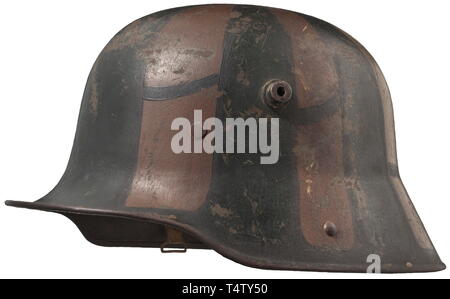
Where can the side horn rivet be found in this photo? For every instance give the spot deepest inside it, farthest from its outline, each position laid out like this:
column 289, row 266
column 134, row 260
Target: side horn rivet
column 277, row 93
column 330, row 229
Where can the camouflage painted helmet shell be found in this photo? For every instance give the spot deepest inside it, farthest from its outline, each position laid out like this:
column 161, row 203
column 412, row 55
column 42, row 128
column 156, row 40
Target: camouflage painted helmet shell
column 334, row 196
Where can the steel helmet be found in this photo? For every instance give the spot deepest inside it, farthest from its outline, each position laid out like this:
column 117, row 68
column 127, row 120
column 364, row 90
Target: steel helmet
column 328, row 198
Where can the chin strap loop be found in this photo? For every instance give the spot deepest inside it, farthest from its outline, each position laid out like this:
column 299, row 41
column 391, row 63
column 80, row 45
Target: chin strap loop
column 174, row 242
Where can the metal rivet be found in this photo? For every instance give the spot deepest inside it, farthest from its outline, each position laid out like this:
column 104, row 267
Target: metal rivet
column 330, row 229
column 277, row 93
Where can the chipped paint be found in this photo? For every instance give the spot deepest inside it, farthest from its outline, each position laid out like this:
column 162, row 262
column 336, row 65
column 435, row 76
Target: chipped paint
column 217, row 210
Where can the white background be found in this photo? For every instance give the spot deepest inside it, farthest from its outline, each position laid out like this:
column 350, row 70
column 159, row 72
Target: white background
column 47, row 49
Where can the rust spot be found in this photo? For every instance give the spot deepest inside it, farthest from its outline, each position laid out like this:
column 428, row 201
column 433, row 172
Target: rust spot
column 240, row 26
column 242, row 78
column 232, row 230
column 93, row 100
column 235, row 15
column 254, row 111
column 198, row 52
column 216, row 209
column 178, row 71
